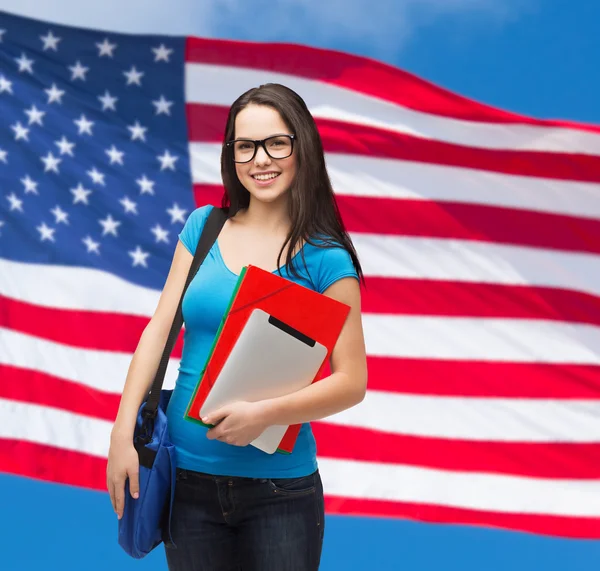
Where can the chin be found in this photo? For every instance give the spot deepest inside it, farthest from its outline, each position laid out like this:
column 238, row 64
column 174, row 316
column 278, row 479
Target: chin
column 268, row 195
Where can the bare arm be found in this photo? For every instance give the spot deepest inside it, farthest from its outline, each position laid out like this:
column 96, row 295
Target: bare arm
column 122, row 458
column 150, row 347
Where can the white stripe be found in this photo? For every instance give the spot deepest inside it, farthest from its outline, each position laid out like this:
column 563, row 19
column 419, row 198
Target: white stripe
column 478, row 419
column 102, row 370
column 68, row 287
column 488, row 492
column 477, row 262
column 222, row 85
column 54, row 427
column 481, row 339
column 347, row 478
column 355, row 175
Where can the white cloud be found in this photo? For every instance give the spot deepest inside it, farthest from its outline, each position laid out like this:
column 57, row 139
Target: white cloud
column 380, row 27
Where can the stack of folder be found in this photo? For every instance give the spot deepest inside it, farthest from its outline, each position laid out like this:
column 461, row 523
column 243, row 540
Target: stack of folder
column 275, row 338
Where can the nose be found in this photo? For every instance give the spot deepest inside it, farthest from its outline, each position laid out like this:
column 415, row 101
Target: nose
column 261, row 157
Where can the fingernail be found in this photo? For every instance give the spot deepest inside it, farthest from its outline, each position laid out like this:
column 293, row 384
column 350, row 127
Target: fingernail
column 205, row 420
column 136, row 495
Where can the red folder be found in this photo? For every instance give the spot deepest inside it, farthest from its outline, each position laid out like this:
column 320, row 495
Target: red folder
column 313, row 314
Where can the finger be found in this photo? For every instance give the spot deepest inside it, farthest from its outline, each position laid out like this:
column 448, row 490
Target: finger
column 134, row 484
column 119, row 498
column 111, row 495
column 216, row 416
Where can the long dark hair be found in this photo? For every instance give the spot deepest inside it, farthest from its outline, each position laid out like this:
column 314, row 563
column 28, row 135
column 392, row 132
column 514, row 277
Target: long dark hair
column 313, row 209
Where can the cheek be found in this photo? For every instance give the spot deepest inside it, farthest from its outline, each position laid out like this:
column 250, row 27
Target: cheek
column 241, row 171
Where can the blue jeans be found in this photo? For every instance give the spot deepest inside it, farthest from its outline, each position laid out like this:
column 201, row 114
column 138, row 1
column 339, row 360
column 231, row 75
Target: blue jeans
column 222, row 523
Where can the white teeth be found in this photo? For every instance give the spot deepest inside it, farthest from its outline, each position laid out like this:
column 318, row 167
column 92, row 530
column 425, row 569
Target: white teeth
column 265, row 176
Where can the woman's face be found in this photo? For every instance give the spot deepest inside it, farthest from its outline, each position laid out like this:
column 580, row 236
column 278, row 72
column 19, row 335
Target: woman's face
column 266, row 179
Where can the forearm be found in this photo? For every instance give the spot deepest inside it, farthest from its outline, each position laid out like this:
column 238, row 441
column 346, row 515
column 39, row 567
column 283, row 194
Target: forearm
column 140, row 375
column 321, row 399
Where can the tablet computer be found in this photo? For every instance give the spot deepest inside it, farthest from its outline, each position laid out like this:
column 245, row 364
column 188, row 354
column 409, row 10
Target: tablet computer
column 269, row 359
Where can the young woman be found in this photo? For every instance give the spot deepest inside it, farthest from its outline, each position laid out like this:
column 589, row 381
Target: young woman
column 235, row 506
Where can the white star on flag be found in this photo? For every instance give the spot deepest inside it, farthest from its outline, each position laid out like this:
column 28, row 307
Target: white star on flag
column 162, row 106
column 115, row 155
column 108, row 101
column 15, row 203
column 46, row 233
column 80, row 194
column 60, row 215
column 65, row 147
column 139, row 257
column 160, row 234
column 162, row 53
column 177, row 214
column 25, row 64
column 54, row 94
column 21, row 132
column 91, row 245
column 146, row 185
column 35, row 115
column 96, row 176
column 3, row 156
column 51, row 162
column 133, row 76
column 105, row 48
column 137, row 131
column 84, row 125
column 30, row 185
column 5, row 85
column 50, row 41
column 109, row 225
column 167, row 161
column 78, row 71
column 128, row 205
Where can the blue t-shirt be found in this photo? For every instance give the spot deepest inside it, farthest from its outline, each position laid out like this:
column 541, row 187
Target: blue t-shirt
column 204, row 305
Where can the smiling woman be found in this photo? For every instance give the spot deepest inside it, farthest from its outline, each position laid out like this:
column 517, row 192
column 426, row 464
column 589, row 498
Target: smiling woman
column 235, row 506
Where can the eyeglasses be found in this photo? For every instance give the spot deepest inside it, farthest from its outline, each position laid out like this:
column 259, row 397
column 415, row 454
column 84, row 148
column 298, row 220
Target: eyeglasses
column 276, row 147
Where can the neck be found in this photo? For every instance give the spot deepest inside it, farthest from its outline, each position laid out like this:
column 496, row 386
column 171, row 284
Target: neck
column 271, row 217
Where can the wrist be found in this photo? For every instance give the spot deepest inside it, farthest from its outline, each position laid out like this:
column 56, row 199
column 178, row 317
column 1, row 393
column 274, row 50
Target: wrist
column 120, row 433
column 269, row 412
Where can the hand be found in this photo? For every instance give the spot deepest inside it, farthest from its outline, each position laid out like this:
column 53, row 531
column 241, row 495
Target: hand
column 238, row 423
column 123, row 463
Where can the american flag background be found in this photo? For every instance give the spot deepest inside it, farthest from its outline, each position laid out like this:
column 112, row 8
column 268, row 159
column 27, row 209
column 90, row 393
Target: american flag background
column 478, row 230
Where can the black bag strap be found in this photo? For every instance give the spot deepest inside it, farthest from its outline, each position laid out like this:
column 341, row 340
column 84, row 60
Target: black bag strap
column 210, row 232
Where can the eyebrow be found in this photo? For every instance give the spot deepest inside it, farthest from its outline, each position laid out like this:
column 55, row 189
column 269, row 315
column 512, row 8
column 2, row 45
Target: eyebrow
column 267, row 137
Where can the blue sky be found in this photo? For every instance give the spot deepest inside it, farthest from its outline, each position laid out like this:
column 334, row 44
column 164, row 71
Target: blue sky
column 537, row 57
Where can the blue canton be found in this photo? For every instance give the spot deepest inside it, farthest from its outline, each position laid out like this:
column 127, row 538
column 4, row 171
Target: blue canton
column 94, row 156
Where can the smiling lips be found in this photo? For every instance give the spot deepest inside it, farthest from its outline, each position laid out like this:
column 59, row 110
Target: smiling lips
column 265, row 178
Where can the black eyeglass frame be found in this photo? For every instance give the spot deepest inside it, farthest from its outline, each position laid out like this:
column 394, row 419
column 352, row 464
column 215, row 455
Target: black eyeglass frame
column 261, row 143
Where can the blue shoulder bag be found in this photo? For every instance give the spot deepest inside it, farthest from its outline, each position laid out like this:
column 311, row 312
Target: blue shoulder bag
column 146, row 521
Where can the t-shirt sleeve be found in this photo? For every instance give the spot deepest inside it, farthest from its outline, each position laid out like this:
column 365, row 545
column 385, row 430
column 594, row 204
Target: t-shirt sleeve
column 190, row 233
column 336, row 264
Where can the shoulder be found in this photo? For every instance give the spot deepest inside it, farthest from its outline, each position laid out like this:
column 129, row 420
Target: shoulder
column 190, row 234
column 328, row 262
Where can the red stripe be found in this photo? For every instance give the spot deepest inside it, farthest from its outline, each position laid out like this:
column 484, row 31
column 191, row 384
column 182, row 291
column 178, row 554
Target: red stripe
column 77, row 469
column 207, row 124
column 456, row 221
column 85, row 329
column 438, row 377
column 52, row 464
column 534, row 460
column 464, row 299
column 39, row 388
column 561, row 526
column 359, row 74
